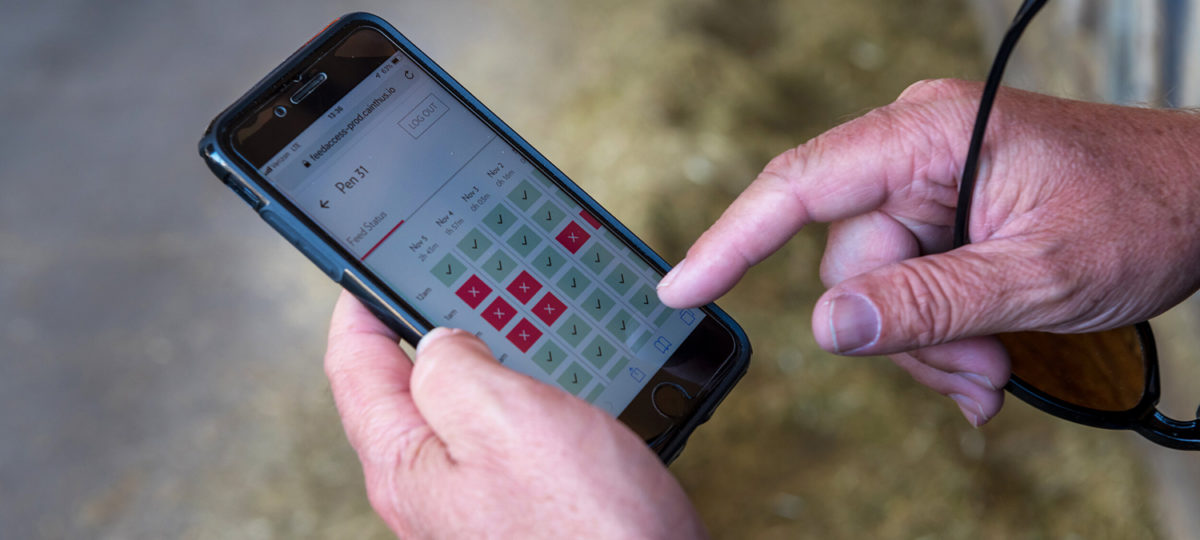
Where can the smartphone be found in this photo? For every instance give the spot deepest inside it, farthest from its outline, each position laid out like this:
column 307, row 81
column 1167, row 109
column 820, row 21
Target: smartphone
column 407, row 191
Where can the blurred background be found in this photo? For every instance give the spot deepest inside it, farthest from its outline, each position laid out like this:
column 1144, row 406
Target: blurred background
column 161, row 368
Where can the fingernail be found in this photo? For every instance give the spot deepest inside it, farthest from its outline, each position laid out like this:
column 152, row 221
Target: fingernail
column 853, row 322
column 670, row 277
column 981, row 380
column 433, row 335
column 970, row 409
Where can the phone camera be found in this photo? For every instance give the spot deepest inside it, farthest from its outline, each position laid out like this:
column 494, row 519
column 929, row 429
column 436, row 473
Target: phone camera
column 281, row 111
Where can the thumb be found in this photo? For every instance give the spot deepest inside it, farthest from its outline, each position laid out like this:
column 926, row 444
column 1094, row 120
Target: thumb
column 472, row 402
column 980, row 289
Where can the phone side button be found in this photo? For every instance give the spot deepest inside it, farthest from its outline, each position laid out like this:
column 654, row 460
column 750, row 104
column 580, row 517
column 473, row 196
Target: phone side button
column 243, row 191
column 219, row 166
column 319, row 259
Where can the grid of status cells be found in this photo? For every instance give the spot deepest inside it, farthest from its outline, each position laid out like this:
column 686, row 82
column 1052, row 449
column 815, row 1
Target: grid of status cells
column 584, row 332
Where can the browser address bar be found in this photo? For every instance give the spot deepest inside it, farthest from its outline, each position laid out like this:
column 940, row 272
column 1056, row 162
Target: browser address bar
column 351, row 114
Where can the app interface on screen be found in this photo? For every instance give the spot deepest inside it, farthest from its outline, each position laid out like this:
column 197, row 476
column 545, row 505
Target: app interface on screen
column 447, row 213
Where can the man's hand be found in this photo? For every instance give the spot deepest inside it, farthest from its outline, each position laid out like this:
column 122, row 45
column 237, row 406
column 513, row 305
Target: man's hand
column 461, row 447
column 1085, row 218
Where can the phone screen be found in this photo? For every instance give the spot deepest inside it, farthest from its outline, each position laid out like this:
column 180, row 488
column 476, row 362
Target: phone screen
column 437, row 204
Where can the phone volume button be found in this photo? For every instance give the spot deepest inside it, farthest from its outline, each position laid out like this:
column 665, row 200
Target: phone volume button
column 245, row 192
column 219, row 166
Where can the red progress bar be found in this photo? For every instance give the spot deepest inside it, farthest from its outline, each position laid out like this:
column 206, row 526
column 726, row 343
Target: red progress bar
column 385, row 237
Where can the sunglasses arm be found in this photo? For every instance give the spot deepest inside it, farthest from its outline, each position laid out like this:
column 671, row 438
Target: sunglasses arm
column 1170, row 432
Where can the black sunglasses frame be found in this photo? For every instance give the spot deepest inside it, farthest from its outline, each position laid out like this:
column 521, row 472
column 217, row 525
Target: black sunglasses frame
column 1095, row 417
column 1143, row 418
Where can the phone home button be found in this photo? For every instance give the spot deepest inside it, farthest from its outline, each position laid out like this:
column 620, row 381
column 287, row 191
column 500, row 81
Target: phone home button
column 671, row 400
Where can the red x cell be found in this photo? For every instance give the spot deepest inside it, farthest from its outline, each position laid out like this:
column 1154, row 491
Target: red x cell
column 549, row 309
column 474, row 291
column 524, row 335
column 524, row 287
column 498, row 313
column 573, row 237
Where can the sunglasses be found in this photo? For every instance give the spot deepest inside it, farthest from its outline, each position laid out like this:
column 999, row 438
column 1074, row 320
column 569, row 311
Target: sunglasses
column 1102, row 379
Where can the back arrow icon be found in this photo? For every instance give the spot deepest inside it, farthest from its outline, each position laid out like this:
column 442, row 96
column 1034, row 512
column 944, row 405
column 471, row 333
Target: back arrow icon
column 324, row 203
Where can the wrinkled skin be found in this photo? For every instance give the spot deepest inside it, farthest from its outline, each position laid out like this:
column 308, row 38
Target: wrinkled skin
column 458, row 446
column 1084, row 218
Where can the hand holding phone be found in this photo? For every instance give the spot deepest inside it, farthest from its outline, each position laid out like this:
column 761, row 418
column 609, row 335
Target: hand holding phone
column 414, row 197
column 437, row 465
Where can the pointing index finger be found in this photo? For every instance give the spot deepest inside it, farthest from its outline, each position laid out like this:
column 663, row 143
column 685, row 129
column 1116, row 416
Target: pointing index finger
column 850, row 170
column 842, row 173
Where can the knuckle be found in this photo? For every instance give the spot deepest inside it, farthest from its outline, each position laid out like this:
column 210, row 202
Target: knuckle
column 919, row 133
column 940, row 111
column 1055, row 280
column 781, row 177
column 1054, row 285
column 936, row 89
column 933, row 316
column 791, row 162
column 915, row 138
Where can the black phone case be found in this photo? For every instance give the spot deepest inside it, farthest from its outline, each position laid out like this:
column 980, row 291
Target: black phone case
column 347, row 271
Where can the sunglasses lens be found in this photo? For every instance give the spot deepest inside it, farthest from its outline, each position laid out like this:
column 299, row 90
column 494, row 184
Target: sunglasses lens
column 1104, row 371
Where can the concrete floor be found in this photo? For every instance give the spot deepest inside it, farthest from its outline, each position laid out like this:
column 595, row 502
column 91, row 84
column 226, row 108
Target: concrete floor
column 161, row 374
